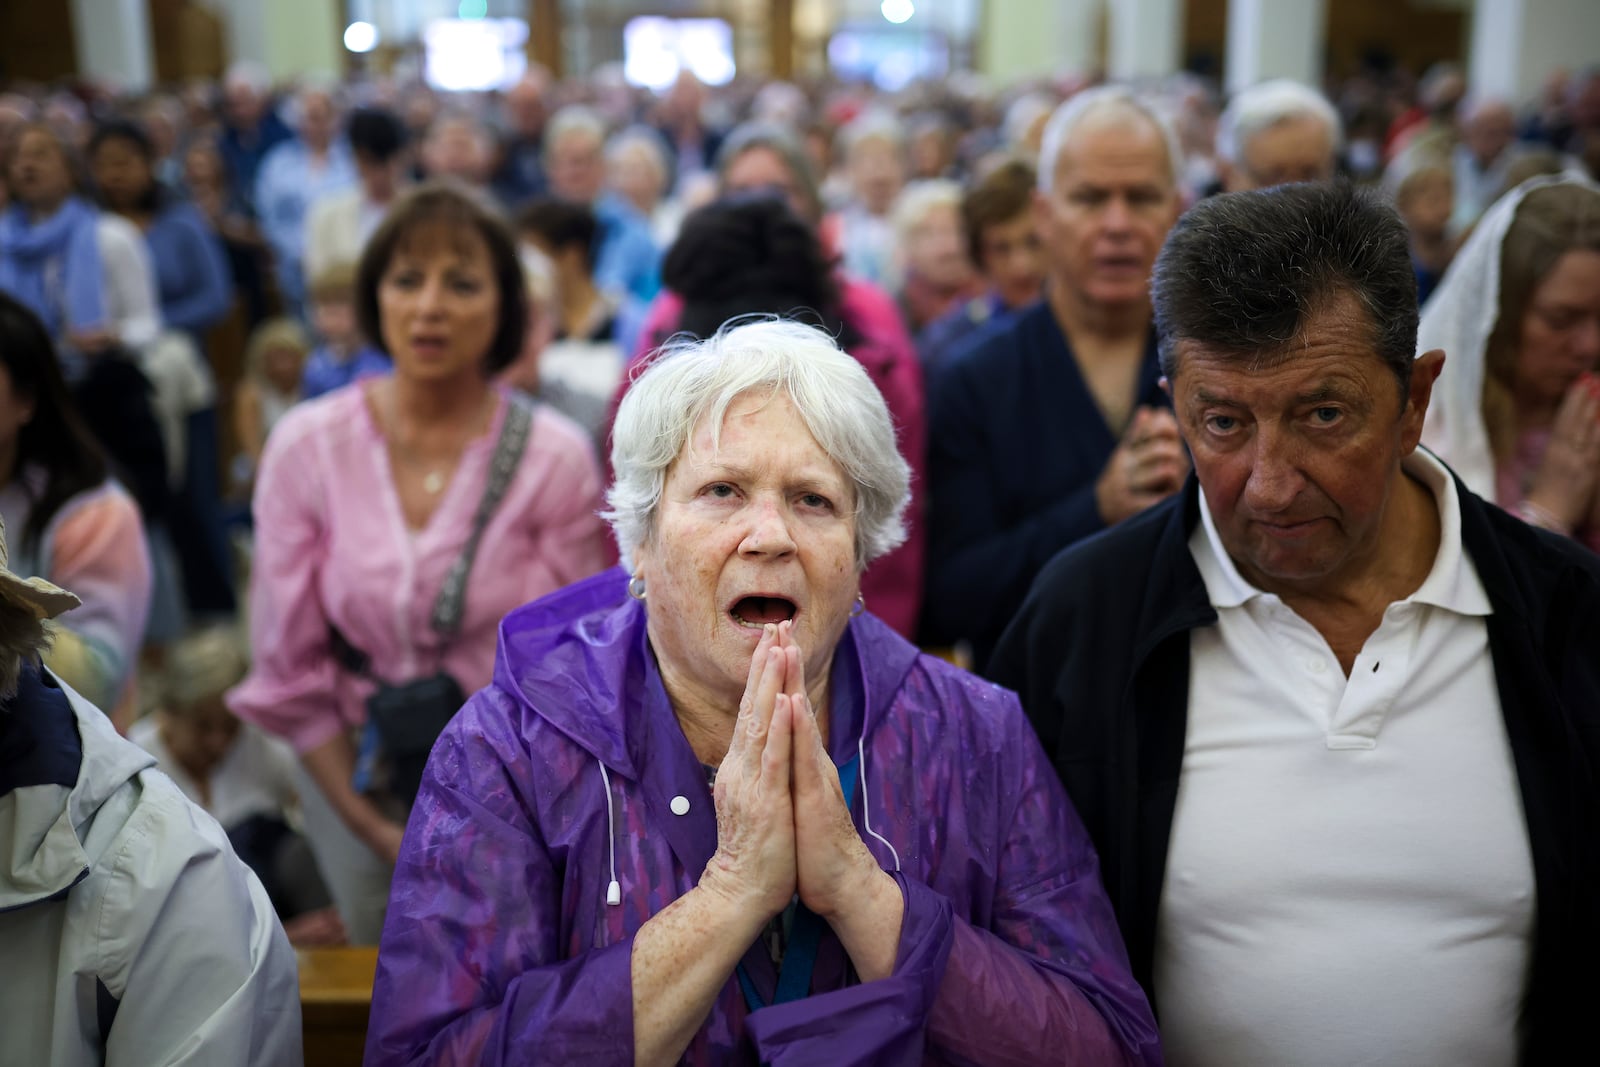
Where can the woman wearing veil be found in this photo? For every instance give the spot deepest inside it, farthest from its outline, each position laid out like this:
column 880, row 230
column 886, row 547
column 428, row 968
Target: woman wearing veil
column 1517, row 411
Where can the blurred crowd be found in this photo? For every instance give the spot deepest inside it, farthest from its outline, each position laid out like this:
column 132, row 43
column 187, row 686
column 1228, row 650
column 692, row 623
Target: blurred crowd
column 260, row 346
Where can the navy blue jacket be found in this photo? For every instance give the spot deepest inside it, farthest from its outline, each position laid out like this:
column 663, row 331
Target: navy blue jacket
column 1016, row 443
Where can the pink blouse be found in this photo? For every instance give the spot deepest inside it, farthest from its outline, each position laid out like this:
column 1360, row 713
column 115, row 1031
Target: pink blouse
column 332, row 546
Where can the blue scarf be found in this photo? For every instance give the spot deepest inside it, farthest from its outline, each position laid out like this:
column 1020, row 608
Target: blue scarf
column 53, row 266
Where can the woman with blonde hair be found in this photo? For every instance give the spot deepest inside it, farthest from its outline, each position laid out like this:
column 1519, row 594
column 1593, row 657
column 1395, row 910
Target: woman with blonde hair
column 274, row 360
column 1517, row 411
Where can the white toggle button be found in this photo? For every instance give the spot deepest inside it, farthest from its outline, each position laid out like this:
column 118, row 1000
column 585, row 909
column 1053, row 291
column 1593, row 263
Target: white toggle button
column 1317, row 666
column 680, row 805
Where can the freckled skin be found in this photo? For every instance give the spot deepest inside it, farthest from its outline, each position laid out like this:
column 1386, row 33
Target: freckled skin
column 769, row 512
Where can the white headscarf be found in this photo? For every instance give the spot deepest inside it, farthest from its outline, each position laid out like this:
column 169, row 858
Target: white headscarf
column 1459, row 317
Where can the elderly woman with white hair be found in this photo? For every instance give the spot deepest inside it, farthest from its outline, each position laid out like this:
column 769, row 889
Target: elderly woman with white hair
column 639, row 170
column 711, row 811
column 933, row 271
column 874, row 150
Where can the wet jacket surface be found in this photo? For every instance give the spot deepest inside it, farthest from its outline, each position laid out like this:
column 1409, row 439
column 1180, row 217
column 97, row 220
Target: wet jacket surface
column 499, row 946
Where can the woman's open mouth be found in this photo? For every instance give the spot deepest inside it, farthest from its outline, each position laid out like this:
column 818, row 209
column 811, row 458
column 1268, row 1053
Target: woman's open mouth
column 754, row 612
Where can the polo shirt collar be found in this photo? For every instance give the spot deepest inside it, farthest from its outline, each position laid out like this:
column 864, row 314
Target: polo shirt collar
column 1451, row 584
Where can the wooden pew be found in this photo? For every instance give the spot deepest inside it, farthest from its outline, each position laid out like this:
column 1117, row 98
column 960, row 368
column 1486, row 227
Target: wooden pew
column 335, row 999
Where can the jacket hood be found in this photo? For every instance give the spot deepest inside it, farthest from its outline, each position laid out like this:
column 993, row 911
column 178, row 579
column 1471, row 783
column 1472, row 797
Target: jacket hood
column 579, row 659
column 60, row 761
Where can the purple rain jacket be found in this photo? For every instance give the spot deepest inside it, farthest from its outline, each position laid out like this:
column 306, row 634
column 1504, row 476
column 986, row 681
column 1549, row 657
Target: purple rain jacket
column 499, row 946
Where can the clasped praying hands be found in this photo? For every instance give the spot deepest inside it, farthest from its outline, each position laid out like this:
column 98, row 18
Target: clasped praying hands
column 783, row 824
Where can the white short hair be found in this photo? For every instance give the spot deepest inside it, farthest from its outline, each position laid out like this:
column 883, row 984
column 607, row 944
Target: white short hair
column 1023, row 112
column 643, row 139
column 920, row 198
column 571, row 119
column 872, row 125
column 294, row 109
column 247, row 74
column 1090, row 103
column 1265, row 105
column 689, row 381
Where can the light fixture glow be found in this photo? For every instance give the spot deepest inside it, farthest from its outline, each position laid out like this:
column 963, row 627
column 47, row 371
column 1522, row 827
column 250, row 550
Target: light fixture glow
column 361, row 37
column 898, row 11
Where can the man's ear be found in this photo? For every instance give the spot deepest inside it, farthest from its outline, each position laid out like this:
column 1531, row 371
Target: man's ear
column 1425, row 371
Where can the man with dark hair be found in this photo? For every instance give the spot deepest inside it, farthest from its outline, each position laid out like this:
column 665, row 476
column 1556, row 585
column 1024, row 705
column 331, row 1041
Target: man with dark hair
column 581, row 366
column 1330, row 718
column 562, row 229
column 132, row 932
column 338, row 224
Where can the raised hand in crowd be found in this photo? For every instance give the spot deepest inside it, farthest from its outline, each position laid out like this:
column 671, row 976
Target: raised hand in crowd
column 1148, row 466
column 1563, row 491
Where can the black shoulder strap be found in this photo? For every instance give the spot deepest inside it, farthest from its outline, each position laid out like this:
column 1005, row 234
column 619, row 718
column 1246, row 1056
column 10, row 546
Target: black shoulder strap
column 449, row 607
column 514, row 431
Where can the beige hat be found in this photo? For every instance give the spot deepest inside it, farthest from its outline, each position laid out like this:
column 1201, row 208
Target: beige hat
column 46, row 601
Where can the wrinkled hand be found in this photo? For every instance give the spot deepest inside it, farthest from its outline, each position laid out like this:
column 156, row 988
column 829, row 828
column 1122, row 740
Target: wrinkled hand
column 1148, row 465
column 832, row 864
column 754, row 865
column 1565, row 484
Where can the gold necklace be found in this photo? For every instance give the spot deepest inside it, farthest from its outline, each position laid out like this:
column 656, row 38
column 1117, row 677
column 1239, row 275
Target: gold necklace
column 433, row 481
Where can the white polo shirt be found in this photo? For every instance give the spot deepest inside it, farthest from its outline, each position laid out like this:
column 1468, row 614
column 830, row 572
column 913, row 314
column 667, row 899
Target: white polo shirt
column 1349, row 879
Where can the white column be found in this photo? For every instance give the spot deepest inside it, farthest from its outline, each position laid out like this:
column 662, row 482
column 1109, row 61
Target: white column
column 1275, row 39
column 291, row 38
column 1145, row 38
column 305, row 37
column 244, row 29
column 1516, row 43
column 1027, row 38
column 113, row 41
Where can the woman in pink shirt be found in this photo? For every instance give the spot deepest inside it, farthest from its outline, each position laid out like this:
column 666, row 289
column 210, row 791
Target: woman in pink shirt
column 369, row 496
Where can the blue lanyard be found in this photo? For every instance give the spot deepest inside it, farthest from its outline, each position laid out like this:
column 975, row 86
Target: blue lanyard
column 800, row 958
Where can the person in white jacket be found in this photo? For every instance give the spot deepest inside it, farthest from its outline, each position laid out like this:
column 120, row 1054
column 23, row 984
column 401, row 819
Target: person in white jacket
column 132, row 934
